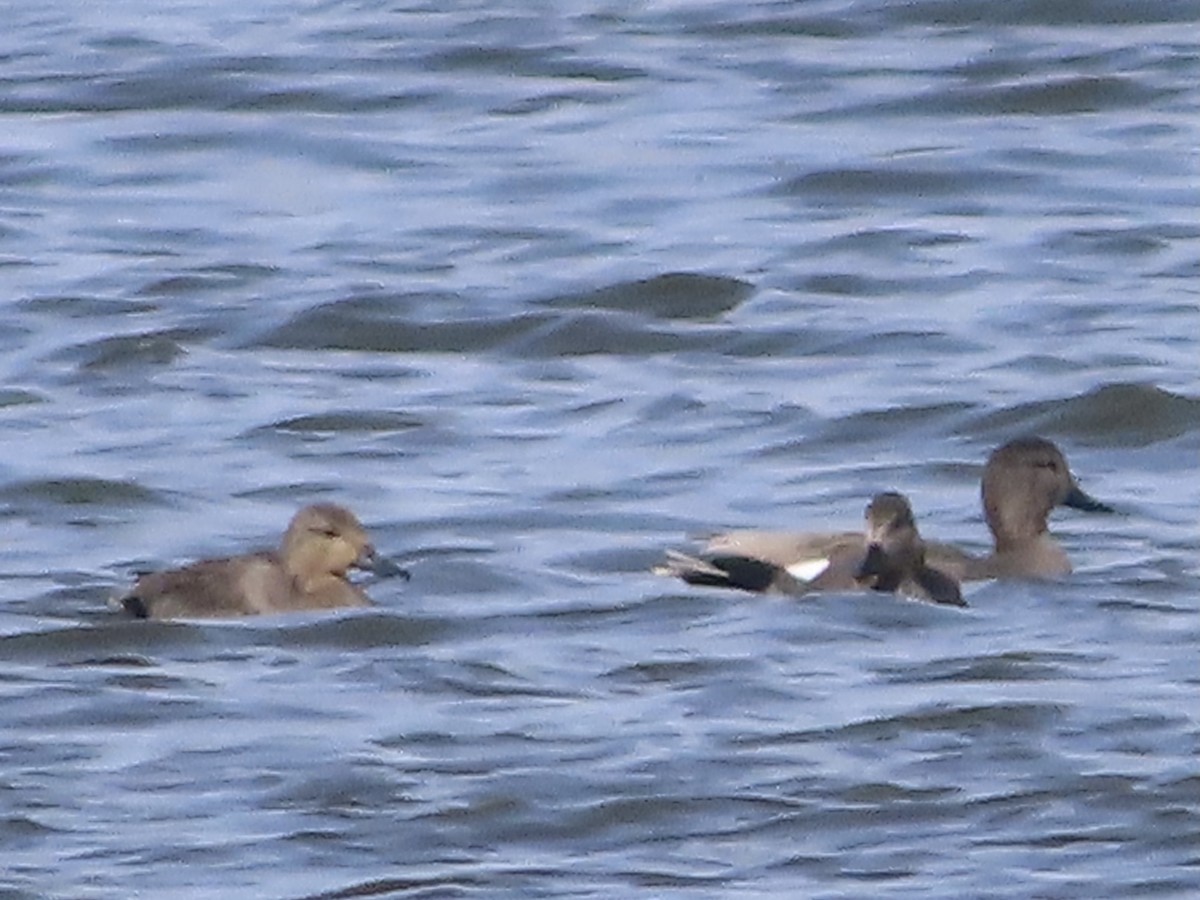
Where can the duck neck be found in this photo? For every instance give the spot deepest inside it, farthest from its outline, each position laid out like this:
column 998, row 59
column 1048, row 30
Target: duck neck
column 302, row 563
column 1015, row 525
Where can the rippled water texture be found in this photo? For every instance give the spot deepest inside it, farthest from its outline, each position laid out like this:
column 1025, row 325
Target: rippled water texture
column 540, row 290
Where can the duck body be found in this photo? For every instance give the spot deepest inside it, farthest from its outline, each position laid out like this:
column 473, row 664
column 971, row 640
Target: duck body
column 895, row 559
column 801, row 552
column 889, row 556
column 1023, row 481
column 308, row 571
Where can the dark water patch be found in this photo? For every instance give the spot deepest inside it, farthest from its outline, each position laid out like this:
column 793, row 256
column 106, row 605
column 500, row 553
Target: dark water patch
column 689, row 418
column 967, row 721
column 11, row 397
column 78, row 491
column 894, row 242
column 353, row 421
column 547, row 514
column 204, row 279
column 1043, row 364
column 1189, row 269
column 114, row 637
column 84, row 306
column 875, row 615
column 377, row 370
column 792, row 450
column 361, row 631
column 458, row 577
column 480, row 681
column 140, row 242
column 881, row 793
column 1057, row 96
column 125, row 42
column 173, row 82
column 640, row 610
column 1137, row 734
column 1059, row 839
column 751, row 343
column 907, row 343
column 852, row 284
column 395, row 323
column 296, row 493
column 1117, row 415
column 433, row 751
column 887, row 425
column 612, row 561
column 341, row 792
column 330, row 99
column 1003, row 667
column 1151, row 589
column 133, row 351
column 80, row 599
column 118, row 661
column 559, row 63
column 784, row 22
column 600, row 334
column 674, row 295
column 552, row 101
column 680, row 672
column 14, row 337
column 167, row 143
column 18, row 170
column 19, row 833
column 363, row 438
column 460, row 885
column 1118, row 242
column 980, row 13
column 1067, row 162
column 148, row 683
column 604, row 822
column 833, row 187
column 847, row 826
column 120, row 710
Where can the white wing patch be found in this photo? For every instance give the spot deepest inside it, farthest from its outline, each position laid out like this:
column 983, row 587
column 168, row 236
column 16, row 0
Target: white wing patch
column 807, row 569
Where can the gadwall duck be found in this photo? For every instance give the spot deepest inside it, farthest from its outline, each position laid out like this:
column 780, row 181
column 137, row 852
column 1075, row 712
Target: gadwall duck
column 889, row 556
column 895, row 556
column 307, row 572
column 1022, row 482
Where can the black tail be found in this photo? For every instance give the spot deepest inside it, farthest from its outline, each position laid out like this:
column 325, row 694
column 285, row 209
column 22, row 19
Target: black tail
column 742, row 572
column 134, row 605
column 939, row 587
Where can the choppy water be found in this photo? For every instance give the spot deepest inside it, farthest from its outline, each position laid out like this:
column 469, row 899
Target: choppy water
column 539, row 290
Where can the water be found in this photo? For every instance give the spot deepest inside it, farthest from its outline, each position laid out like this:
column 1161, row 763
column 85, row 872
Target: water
column 540, row 291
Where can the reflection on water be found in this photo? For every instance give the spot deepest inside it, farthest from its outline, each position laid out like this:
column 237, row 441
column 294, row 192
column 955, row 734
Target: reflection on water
column 540, row 293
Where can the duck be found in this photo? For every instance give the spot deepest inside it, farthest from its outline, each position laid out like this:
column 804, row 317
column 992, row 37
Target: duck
column 1024, row 480
column 895, row 559
column 308, row 571
column 889, row 556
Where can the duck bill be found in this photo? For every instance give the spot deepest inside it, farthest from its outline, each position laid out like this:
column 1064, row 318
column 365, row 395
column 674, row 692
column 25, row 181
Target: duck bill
column 1079, row 499
column 380, row 566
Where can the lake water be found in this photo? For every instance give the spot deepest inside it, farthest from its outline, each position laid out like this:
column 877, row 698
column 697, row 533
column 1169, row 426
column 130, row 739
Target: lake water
column 540, row 290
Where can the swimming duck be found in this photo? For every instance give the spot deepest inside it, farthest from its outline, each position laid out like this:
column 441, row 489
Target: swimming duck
column 895, row 555
column 889, row 556
column 306, row 572
column 1023, row 481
